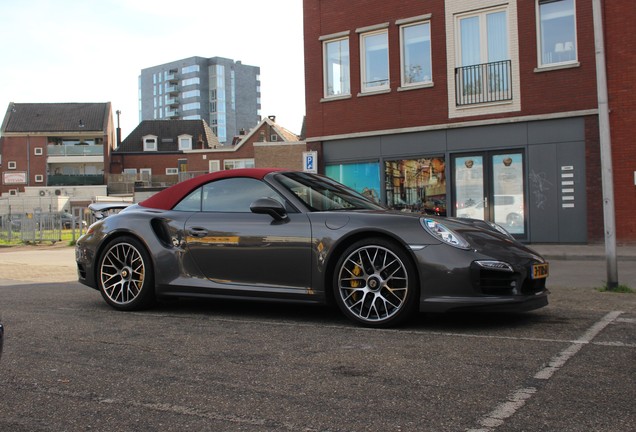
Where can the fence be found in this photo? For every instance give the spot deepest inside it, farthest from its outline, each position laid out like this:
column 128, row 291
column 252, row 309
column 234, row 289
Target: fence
column 45, row 227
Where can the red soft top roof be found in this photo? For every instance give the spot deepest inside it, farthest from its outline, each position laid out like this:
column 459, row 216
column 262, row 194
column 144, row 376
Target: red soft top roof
column 168, row 198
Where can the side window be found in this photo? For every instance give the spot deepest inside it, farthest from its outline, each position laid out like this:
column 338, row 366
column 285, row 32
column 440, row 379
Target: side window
column 191, row 203
column 235, row 195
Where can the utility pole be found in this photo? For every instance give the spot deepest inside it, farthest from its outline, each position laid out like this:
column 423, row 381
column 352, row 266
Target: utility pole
column 607, row 176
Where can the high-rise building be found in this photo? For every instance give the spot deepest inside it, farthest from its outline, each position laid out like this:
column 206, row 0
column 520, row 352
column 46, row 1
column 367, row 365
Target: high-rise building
column 223, row 92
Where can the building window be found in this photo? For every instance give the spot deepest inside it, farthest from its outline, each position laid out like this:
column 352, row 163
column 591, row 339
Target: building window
column 145, row 173
column 273, row 137
column 185, row 142
column 191, row 94
column 416, row 185
column 190, row 81
column 39, row 178
column 415, row 41
column 374, row 61
column 238, row 163
column 336, row 67
column 38, row 151
column 363, row 177
column 12, row 165
column 484, row 72
column 172, row 171
column 192, row 106
column 188, row 69
column 557, row 32
column 150, row 143
column 214, row 165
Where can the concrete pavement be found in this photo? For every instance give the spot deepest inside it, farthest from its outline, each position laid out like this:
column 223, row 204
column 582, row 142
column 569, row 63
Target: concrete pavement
column 581, row 266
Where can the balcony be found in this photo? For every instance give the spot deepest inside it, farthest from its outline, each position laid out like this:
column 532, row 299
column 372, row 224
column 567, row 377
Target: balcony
column 483, row 83
column 173, row 114
column 172, row 90
column 173, row 103
column 75, row 150
column 75, row 180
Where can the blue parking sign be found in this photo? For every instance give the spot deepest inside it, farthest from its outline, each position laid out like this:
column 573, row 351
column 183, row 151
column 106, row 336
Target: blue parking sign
column 310, row 162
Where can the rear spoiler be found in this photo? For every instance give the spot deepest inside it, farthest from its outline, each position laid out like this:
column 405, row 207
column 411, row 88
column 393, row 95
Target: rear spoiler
column 101, row 210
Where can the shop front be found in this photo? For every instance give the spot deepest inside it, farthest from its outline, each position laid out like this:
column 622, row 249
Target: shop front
column 528, row 177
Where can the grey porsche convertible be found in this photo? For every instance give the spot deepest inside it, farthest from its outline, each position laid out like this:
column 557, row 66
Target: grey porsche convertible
column 295, row 236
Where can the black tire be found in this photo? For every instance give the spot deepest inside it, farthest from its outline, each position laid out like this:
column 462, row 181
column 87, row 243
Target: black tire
column 375, row 283
column 125, row 276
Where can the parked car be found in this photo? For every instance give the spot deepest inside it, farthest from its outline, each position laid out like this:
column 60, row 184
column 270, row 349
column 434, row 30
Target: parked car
column 70, row 221
column 264, row 234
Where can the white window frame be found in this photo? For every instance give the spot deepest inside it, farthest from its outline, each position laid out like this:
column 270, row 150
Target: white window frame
column 39, row 178
column 483, row 33
column 345, row 72
column 12, row 165
column 575, row 42
column 150, row 143
column 454, row 9
column 214, row 165
column 38, row 151
column 13, row 192
column 273, row 137
column 130, row 171
column 404, row 24
column 172, row 171
column 238, row 163
column 185, row 142
column 365, row 86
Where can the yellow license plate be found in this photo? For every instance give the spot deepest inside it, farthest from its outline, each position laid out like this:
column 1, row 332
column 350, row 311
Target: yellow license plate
column 540, row 271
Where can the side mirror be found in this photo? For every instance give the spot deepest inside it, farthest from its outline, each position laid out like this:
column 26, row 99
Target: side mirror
column 269, row 206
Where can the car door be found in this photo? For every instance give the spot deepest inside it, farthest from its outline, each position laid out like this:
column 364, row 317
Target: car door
column 237, row 249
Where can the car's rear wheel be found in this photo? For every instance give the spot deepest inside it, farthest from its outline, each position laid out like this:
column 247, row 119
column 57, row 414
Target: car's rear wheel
column 125, row 275
column 375, row 283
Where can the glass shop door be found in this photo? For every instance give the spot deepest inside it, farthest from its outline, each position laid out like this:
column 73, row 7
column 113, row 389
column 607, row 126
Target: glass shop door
column 491, row 186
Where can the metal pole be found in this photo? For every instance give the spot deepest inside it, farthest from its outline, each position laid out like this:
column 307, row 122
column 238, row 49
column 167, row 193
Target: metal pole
column 607, row 177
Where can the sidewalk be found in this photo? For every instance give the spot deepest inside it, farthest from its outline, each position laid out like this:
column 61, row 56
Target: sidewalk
column 553, row 252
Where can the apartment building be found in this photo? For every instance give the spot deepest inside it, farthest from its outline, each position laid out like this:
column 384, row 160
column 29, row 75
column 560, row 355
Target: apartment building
column 223, row 92
column 55, row 148
column 484, row 109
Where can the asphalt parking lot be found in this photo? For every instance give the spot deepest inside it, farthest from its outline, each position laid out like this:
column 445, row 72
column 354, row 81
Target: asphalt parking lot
column 73, row 364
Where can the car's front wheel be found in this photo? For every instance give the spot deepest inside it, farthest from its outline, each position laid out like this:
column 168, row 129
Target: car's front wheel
column 375, row 283
column 125, row 275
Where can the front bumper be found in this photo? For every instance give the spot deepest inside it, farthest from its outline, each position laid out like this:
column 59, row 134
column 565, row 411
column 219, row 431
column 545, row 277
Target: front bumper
column 452, row 279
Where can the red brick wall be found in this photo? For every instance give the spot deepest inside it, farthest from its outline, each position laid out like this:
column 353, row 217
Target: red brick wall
column 21, row 151
column 542, row 92
column 620, row 44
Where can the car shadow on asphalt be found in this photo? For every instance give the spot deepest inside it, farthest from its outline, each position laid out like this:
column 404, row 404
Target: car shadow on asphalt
column 308, row 314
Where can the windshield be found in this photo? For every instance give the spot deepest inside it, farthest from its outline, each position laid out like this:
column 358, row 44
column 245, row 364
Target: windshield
column 321, row 193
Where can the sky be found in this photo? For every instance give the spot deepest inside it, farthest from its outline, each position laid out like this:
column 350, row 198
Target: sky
column 94, row 50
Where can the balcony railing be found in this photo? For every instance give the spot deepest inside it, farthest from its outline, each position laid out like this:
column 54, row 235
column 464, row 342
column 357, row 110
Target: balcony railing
column 75, row 180
column 75, row 150
column 483, row 83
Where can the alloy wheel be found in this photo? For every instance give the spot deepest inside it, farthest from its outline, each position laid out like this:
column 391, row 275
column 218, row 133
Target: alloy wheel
column 373, row 283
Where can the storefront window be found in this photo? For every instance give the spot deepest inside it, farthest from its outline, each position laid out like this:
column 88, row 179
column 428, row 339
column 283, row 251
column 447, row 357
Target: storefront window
column 417, row 185
column 361, row 177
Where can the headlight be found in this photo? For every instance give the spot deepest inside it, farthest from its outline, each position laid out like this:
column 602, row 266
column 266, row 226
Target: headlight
column 441, row 232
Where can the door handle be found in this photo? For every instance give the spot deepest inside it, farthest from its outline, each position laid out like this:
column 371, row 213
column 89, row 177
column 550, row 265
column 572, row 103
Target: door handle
column 198, row 232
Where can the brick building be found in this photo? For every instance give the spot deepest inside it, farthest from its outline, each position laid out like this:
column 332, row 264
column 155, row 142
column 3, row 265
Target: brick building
column 484, row 109
column 58, row 147
column 159, row 153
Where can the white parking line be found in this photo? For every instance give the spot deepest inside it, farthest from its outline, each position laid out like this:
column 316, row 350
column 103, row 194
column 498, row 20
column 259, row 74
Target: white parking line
column 518, row 398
